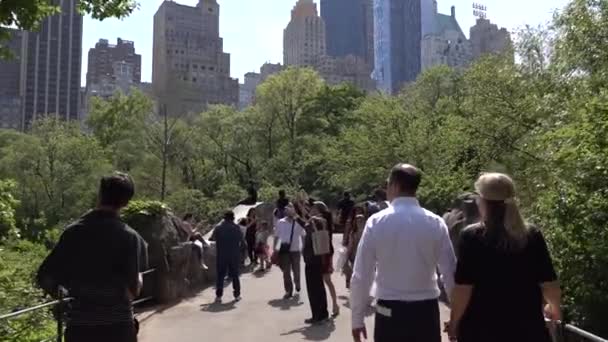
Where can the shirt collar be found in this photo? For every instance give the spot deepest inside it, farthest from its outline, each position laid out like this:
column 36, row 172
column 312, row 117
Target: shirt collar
column 405, row 201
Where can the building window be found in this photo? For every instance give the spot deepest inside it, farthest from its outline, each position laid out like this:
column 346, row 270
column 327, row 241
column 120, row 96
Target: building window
column 194, row 79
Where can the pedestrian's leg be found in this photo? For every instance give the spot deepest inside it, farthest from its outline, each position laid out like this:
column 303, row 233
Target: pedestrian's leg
column 234, row 274
column 332, row 291
column 297, row 269
column 285, row 264
column 426, row 322
column 388, row 326
column 316, row 291
column 222, row 269
column 348, row 273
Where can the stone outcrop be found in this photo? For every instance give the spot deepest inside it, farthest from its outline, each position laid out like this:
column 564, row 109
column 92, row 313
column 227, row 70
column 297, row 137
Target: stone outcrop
column 177, row 264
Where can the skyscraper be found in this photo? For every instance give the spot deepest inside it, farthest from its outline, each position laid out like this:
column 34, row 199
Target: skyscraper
column 10, row 79
column 349, row 27
column 398, row 35
column 104, row 55
column 486, row 38
column 190, row 69
column 304, row 36
column 446, row 43
column 51, row 64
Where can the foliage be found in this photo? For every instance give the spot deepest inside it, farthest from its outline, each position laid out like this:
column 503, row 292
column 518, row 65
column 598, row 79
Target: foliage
column 19, row 261
column 28, row 14
column 148, row 208
column 8, row 204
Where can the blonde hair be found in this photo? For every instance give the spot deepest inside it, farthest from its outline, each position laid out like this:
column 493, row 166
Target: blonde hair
column 498, row 187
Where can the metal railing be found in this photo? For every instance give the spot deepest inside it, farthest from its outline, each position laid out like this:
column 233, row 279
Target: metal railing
column 58, row 305
column 569, row 333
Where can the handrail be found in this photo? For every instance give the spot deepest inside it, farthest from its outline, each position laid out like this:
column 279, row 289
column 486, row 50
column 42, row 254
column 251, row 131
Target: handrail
column 60, row 301
column 582, row 333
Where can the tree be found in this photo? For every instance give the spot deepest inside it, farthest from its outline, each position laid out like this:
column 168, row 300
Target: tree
column 28, row 14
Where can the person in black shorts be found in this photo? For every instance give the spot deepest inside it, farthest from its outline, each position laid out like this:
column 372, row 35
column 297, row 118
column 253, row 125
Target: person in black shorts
column 99, row 260
column 504, row 273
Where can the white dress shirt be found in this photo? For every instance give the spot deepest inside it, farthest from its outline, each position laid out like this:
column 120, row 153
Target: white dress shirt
column 282, row 231
column 400, row 250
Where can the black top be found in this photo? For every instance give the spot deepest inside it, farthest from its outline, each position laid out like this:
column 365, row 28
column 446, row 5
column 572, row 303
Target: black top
column 506, row 304
column 345, row 206
column 97, row 259
column 229, row 239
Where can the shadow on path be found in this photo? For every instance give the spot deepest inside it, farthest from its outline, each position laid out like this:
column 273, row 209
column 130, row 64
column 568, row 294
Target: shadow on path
column 286, row 304
column 315, row 332
column 218, row 307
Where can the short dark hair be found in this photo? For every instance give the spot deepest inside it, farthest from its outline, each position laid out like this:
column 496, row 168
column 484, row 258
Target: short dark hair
column 116, row 190
column 346, row 194
column 380, row 194
column 282, row 193
column 229, row 215
column 406, row 177
column 188, row 216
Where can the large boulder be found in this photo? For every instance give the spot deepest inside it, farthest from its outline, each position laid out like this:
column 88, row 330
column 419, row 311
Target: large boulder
column 178, row 266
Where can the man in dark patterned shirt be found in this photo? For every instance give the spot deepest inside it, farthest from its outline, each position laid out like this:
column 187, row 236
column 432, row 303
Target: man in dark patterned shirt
column 99, row 260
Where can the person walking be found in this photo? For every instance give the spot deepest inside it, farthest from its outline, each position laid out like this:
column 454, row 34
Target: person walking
column 262, row 250
column 401, row 248
column 229, row 242
column 351, row 249
column 288, row 246
column 504, row 273
column 320, row 209
column 250, row 234
column 99, row 260
column 315, row 269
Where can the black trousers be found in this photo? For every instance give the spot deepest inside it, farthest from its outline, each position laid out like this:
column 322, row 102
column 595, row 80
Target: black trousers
column 251, row 248
column 123, row 332
column 290, row 263
column 317, row 297
column 398, row 321
column 231, row 267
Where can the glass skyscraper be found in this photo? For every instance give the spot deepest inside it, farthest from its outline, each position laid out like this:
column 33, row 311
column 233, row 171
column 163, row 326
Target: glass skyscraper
column 397, row 37
column 349, row 28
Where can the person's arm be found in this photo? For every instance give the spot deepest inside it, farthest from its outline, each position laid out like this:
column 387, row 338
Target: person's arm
column 50, row 274
column 447, row 259
column 362, row 278
column 547, row 277
column 137, row 262
column 461, row 297
column 464, row 279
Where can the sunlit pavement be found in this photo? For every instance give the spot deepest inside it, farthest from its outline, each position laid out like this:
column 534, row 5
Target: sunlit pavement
column 261, row 316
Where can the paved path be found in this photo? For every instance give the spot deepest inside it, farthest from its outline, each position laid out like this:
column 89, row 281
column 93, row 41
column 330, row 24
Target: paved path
column 261, row 316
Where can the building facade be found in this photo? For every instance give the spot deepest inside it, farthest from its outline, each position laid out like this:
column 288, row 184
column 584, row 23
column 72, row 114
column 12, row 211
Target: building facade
column 190, row 69
column 487, row 38
column 10, row 80
column 51, row 66
column 304, row 36
column 349, row 28
column 269, row 69
column 350, row 69
column 103, row 56
column 446, row 43
column 247, row 89
column 398, row 38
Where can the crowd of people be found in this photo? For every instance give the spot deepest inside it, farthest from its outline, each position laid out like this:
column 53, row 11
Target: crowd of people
column 494, row 268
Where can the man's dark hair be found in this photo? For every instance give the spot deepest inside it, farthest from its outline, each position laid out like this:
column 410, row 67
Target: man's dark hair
column 188, row 216
column 281, row 193
column 116, row 190
column 346, row 194
column 406, row 177
column 229, row 216
column 380, row 194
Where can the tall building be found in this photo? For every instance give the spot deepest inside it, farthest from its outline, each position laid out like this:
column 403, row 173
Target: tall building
column 269, row 69
column 103, row 56
column 247, row 89
column 304, row 36
column 190, row 69
column 446, row 43
column 349, row 69
column 10, row 80
column 51, row 64
column 398, row 36
column 349, row 28
column 486, row 38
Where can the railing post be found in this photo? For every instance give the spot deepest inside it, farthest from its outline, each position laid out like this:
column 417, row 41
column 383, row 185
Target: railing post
column 59, row 312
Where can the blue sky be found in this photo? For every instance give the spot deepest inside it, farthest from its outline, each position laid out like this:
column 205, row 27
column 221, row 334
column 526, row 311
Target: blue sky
column 253, row 29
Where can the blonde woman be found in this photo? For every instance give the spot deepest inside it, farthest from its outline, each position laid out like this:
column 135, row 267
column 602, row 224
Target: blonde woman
column 504, row 275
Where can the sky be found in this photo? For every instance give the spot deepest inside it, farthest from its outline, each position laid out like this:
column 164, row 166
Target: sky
column 253, row 29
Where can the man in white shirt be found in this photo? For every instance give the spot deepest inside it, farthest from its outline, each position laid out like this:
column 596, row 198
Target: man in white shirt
column 288, row 243
column 400, row 249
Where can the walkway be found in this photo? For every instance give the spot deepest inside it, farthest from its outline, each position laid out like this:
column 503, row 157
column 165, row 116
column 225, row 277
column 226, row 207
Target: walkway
column 261, row 316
